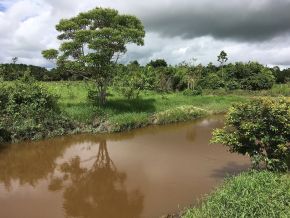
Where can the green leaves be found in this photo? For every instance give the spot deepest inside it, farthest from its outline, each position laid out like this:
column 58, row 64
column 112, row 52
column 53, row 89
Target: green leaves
column 261, row 127
column 94, row 40
column 50, row 54
column 28, row 111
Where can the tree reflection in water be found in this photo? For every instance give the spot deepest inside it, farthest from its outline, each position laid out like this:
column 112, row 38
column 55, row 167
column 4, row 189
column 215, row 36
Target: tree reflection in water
column 88, row 192
column 98, row 191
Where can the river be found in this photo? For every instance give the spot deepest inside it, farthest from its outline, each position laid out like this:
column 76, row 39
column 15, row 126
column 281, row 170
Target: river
column 144, row 173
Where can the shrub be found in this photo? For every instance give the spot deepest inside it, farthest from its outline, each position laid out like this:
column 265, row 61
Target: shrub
column 262, row 80
column 192, row 92
column 93, row 96
column 260, row 129
column 252, row 194
column 182, row 113
column 233, row 85
column 28, row 111
column 130, row 84
column 211, row 81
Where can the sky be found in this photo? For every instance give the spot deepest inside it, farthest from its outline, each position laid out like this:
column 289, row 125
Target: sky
column 176, row 30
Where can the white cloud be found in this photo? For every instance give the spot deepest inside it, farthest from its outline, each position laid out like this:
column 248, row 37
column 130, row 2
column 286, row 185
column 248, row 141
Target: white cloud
column 28, row 26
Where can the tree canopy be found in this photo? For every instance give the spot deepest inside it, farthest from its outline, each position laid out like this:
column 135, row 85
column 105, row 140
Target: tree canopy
column 93, row 42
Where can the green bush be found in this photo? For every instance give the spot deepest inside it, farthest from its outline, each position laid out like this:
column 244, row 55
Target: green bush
column 28, row 111
column 262, row 80
column 233, row 85
column 260, row 129
column 130, row 84
column 182, row 113
column 93, row 96
column 211, row 81
column 252, row 194
column 194, row 92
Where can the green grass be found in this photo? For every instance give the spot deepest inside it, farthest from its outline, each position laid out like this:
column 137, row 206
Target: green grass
column 121, row 114
column 251, row 194
column 73, row 101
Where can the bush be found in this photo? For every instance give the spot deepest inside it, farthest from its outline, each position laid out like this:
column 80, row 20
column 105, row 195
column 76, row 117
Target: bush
column 183, row 113
column 194, row 92
column 233, row 85
column 211, row 81
column 130, row 84
column 260, row 129
column 28, row 111
column 252, row 194
column 263, row 80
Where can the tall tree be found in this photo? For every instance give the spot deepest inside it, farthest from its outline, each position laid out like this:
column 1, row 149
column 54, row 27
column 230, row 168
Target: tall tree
column 222, row 58
column 14, row 60
column 93, row 41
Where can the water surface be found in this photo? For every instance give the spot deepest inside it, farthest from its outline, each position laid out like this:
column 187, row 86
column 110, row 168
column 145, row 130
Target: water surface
column 143, row 173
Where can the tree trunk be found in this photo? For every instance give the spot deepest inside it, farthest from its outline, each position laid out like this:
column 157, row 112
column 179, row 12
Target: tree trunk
column 102, row 95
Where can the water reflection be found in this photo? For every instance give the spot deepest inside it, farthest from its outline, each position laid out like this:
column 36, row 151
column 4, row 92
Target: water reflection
column 88, row 191
column 142, row 173
column 98, row 191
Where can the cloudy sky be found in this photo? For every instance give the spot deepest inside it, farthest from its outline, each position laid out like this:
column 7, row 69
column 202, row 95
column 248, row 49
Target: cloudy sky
column 176, row 30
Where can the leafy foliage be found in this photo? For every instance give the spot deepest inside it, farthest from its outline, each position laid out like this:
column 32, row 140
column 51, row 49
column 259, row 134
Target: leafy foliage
column 157, row 63
column 190, row 92
column 28, row 111
column 92, row 42
column 10, row 72
column 130, row 81
column 211, row 81
column 260, row 129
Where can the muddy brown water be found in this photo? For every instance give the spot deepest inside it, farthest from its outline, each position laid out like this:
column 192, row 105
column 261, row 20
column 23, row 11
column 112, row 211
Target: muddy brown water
column 143, row 173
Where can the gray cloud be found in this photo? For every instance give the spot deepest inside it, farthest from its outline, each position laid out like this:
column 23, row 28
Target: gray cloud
column 176, row 30
column 246, row 20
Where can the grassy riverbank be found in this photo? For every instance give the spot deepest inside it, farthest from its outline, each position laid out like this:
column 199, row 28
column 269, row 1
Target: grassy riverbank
column 121, row 114
column 251, row 194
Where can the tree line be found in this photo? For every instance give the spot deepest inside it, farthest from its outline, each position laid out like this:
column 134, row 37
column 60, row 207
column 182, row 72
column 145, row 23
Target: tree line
column 92, row 42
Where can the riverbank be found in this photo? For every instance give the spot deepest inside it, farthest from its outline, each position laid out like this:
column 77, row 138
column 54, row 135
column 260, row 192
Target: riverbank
column 121, row 114
column 34, row 110
column 250, row 194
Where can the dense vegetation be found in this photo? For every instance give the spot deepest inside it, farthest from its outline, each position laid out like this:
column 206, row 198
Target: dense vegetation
column 160, row 77
column 252, row 194
column 28, row 111
column 13, row 71
column 260, row 129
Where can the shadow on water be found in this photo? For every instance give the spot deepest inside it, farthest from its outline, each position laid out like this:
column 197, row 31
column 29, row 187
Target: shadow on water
column 230, row 169
column 3, row 147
